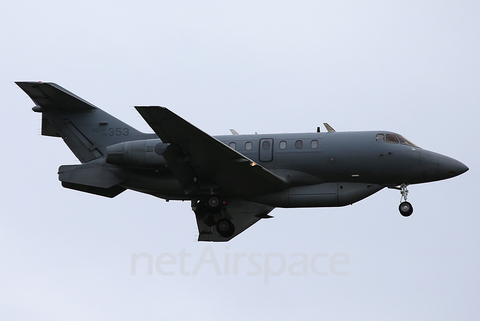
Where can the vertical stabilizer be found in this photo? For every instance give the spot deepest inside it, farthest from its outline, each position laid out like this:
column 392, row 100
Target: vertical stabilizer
column 86, row 129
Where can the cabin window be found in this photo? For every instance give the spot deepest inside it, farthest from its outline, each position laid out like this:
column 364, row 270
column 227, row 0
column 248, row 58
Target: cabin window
column 266, row 145
column 283, row 144
column 299, row 144
column 380, row 137
column 248, row 145
column 232, row 145
column 391, row 138
column 314, row 143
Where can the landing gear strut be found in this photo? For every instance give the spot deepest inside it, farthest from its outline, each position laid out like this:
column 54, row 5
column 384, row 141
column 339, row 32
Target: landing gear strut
column 405, row 208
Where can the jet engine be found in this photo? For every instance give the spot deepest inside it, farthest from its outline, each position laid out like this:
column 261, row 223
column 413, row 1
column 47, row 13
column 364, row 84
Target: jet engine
column 138, row 153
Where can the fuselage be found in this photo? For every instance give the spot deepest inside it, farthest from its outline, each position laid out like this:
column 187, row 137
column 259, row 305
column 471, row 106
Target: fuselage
column 380, row 158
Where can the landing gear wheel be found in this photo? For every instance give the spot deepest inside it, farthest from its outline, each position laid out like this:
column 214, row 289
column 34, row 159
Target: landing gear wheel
column 406, row 209
column 225, row 227
column 214, row 204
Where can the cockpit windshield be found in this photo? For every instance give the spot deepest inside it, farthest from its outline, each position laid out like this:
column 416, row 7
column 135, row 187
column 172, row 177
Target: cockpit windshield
column 395, row 139
column 405, row 141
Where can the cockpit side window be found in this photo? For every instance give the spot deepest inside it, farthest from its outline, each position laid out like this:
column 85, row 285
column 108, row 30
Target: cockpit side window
column 391, row 138
column 380, row 138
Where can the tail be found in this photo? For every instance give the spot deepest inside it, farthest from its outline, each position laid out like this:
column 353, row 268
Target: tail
column 85, row 128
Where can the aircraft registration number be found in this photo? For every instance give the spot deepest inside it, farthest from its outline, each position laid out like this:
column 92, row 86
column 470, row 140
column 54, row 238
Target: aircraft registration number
column 113, row 131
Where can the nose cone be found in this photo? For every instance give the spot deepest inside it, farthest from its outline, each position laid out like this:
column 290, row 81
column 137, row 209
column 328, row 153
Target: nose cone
column 449, row 167
column 436, row 167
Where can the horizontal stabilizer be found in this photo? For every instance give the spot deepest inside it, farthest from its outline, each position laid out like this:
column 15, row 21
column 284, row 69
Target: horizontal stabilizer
column 52, row 97
column 107, row 192
column 90, row 178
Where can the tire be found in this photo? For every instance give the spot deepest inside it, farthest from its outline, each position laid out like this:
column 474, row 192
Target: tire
column 215, row 204
column 225, row 227
column 406, row 209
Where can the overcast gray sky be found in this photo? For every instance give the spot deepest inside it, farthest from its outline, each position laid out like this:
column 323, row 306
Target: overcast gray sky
column 271, row 66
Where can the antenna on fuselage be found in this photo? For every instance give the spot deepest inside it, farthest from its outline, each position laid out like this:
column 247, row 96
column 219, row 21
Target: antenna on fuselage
column 329, row 128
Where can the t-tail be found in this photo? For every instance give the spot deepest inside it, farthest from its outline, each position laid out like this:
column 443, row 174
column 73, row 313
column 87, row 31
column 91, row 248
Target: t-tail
column 87, row 130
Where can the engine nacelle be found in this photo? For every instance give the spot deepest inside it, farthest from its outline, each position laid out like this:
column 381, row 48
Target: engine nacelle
column 138, row 153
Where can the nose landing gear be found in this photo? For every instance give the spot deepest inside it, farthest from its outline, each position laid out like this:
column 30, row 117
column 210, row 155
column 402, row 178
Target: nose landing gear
column 405, row 208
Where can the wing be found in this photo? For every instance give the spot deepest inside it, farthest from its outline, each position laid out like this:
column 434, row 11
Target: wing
column 201, row 163
column 242, row 214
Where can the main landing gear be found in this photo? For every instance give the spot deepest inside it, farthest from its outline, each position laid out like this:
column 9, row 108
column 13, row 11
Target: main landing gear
column 212, row 212
column 405, row 208
column 225, row 227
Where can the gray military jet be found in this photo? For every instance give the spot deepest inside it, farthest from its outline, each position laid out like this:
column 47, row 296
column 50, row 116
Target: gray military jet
column 232, row 181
